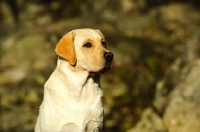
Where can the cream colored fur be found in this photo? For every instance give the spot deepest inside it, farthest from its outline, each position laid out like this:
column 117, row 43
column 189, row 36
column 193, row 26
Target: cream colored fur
column 72, row 94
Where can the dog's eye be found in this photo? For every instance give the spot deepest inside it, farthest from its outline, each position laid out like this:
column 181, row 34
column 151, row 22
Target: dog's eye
column 87, row 45
column 104, row 44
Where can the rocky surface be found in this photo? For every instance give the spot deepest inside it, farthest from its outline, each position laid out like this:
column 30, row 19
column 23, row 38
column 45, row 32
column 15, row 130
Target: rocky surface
column 153, row 86
column 176, row 104
column 182, row 111
column 150, row 122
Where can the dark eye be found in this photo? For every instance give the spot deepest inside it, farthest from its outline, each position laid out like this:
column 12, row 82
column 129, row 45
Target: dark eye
column 87, row 45
column 104, row 44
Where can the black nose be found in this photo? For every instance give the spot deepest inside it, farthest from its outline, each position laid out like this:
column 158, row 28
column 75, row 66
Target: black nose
column 108, row 56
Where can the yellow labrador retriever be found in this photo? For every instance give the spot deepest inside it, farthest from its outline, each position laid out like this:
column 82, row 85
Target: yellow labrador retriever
column 72, row 94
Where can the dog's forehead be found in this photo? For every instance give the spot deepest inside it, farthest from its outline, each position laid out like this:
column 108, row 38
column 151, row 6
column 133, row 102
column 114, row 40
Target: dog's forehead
column 88, row 34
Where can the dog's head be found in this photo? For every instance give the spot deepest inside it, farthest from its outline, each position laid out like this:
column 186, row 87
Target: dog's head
column 85, row 49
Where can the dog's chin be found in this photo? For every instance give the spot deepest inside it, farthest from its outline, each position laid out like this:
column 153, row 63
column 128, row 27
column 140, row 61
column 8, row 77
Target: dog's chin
column 105, row 69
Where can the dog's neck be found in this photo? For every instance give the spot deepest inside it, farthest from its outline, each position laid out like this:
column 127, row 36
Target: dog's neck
column 76, row 84
column 81, row 81
column 62, row 64
column 95, row 76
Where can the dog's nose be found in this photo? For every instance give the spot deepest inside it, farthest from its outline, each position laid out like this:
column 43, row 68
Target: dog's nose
column 108, row 56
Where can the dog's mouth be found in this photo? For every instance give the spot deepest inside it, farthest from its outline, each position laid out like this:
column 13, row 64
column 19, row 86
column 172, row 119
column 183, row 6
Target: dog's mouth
column 105, row 69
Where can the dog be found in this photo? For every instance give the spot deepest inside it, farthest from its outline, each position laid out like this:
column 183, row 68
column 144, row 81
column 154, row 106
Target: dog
column 72, row 94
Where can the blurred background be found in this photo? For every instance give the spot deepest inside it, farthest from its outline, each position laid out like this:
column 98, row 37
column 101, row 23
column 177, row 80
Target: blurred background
column 154, row 83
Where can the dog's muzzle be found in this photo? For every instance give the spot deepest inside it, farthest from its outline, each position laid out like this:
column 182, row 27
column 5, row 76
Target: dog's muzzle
column 108, row 56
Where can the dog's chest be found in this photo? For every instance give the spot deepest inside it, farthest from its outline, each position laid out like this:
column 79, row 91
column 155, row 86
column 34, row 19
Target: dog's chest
column 87, row 100
column 81, row 105
column 74, row 104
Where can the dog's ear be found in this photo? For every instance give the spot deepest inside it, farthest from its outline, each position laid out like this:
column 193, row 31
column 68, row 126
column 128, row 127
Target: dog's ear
column 65, row 48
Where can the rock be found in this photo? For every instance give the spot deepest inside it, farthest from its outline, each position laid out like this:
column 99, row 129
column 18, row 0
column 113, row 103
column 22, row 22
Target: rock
column 183, row 110
column 181, row 105
column 29, row 54
column 150, row 122
column 26, row 61
column 176, row 101
column 166, row 85
column 192, row 49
